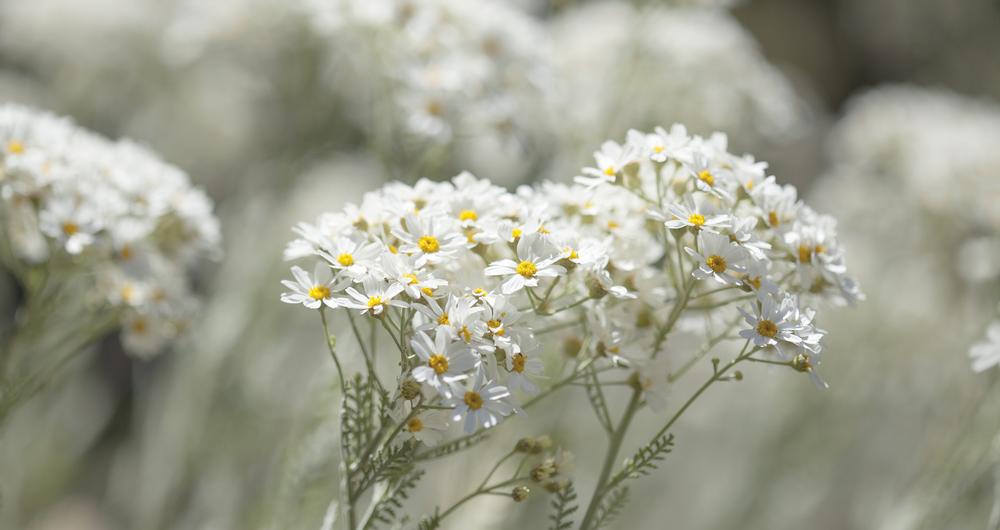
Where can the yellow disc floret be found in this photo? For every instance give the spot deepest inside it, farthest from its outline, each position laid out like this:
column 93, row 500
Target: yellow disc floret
column 345, row 259
column 527, row 269
column 706, row 177
column 716, row 263
column 473, row 400
column 468, row 215
column 320, row 292
column 415, row 425
column 766, row 328
column 696, row 219
column 517, row 363
column 439, row 363
column 15, row 147
column 429, row 244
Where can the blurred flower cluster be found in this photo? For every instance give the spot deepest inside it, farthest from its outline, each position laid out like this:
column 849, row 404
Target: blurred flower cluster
column 100, row 223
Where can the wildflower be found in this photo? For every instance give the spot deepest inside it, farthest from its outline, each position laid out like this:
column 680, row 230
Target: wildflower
column 530, row 265
column 483, row 404
column 444, row 362
column 311, row 291
column 718, row 258
column 378, row 297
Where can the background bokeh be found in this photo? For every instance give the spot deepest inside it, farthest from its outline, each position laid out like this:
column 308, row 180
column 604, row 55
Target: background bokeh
column 883, row 112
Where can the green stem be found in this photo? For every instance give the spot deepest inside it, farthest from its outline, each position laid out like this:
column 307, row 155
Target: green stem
column 617, row 437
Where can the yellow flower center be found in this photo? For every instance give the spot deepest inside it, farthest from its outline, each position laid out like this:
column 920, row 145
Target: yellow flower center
column 518, row 362
column 706, row 177
column 766, row 328
column 322, row 292
column 139, row 326
column 697, row 219
column 443, row 319
column 527, row 269
column 439, row 363
column 805, row 253
column 393, row 249
column 612, row 225
column 427, row 290
column 571, row 254
column 429, row 244
column 466, row 334
column 515, row 233
column 657, row 149
column 479, row 291
column 415, row 425
column 410, row 278
column 15, row 147
column 716, row 263
column 125, row 253
column 473, row 400
column 772, row 219
column 126, row 292
column 69, row 228
column 494, row 324
column 345, row 259
column 755, row 282
column 374, row 301
column 609, row 171
column 468, row 215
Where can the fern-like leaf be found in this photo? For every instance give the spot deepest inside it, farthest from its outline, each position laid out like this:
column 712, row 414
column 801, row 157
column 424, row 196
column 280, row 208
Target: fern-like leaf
column 645, row 460
column 597, row 401
column 563, row 507
column 387, row 509
column 611, row 508
column 391, row 463
column 431, row 522
column 453, row 446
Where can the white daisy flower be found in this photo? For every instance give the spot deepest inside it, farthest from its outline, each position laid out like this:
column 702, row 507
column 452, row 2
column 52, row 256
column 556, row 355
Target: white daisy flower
column 428, row 239
column 773, row 323
column 311, row 291
column 531, row 265
column 444, row 361
column 484, row 405
column 611, row 159
column 519, row 368
column 377, row 298
column 718, row 258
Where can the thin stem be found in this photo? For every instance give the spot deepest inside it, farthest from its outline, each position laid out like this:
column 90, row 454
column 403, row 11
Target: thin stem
column 617, row 437
column 476, row 493
column 345, row 476
column 330, row 347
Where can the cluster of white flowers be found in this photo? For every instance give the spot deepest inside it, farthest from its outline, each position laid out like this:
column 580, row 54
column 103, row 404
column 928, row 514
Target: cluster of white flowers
column 469, row 279
column 109, row 214
column 928, row 159
column 452, row 67
column 658, row 64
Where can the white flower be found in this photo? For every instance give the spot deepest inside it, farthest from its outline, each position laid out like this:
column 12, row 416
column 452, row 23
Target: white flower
column 519, row 368
column 484, row 405
column 352, row 257
column 311, row 291
column 429, row 239
column 693, row 213
column 445, row 361
column 377, row 298
column 774, row 323
column 530, row 265
column 611, row 159
column 986, row 353
column 71, row 224
column 718, row 258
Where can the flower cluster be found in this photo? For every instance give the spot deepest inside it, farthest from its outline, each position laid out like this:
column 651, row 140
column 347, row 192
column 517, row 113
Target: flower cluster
column 452, row 67
column 470, row 280
column 670, row 63
column 925, row 159
column 110, row 216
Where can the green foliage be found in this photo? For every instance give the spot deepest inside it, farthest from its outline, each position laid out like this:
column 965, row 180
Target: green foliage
column 597, row 401
column 611, row 508
column 357, row 417
column 391, row 463
column 563, row 507
column 386, row 510
column 645, row 460
column 453, row 446
column 430, row 522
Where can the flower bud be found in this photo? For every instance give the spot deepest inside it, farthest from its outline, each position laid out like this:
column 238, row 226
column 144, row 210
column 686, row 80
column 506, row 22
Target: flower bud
column 555, row 486
column 544, row 470
column 520, row 493
column 801, row 363
column 409, row 389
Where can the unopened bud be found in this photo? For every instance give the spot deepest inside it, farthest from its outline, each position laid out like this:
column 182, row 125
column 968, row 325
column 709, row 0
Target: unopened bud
column 544, row 470
column 801, row 363
column 409, row 389
column 520, row 493
column 555, row 486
